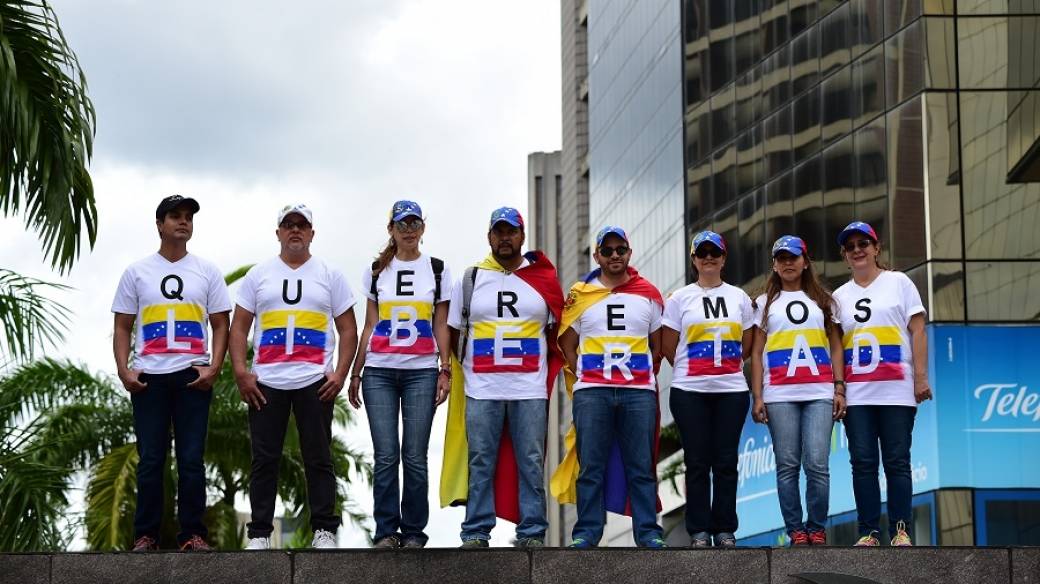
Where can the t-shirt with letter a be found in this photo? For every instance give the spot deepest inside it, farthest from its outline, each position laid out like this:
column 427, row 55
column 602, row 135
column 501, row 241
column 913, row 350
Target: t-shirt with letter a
column 506, row 348
column 796, row 359
column 172, row 302
column 403, row 335
column 711, row 323
column 613, row 342
column 294, row 334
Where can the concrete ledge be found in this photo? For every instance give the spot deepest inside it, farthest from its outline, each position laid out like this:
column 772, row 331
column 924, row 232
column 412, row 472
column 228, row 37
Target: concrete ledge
column 1025, row 565
column 433, row 566
column 917, row 565
column 613, row 566
column 172, row 568
column 25, row 568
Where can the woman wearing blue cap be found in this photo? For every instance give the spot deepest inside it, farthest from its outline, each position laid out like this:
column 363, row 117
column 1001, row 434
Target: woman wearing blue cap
column 796, row 390
column 405, row 332
column 709, row 397
column 886, row 369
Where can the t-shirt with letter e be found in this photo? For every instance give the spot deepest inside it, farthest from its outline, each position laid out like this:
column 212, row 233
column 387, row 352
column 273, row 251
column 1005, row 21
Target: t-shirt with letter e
column 172, row 302
column 294, row 334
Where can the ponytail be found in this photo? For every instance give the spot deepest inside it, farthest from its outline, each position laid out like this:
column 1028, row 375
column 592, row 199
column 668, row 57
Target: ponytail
column 384, row 257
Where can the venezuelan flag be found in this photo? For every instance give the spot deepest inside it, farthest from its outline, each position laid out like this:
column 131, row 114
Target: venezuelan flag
column 812, row 362
column 594, row 352
column 701, row 341
column 405, row 328
column 173, row 328
column 516, row 343
column 292, row 336
column 880, row 354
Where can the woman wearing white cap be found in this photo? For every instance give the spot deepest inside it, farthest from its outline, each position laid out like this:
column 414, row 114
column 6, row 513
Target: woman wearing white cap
column 404, row 336
column 796, row 390
column 709, row 397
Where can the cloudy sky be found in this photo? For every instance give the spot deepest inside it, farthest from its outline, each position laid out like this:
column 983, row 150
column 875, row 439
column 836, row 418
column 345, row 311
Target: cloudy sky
column 345, row 106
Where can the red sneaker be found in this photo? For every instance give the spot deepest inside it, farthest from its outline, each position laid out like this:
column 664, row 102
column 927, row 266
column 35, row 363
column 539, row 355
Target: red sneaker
column 799, row 537
column 145, row 543
column 196, row 544
column 817, row 538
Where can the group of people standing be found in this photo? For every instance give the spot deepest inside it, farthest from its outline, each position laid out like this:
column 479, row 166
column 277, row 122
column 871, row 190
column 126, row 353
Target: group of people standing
column 492, row 344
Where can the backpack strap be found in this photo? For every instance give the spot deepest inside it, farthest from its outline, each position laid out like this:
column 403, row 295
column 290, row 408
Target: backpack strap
column 438, row 270
column 469, row 279
column 374, row 289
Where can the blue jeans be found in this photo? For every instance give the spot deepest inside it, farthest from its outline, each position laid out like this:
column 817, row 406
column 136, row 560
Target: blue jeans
column 801, row 434
column 527, row 420
column 409, row 394
column 603, row 415
column 166, row 400
column 892, row 427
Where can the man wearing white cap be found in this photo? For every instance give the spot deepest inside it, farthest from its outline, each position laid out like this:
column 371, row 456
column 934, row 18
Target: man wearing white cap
column 299, row 304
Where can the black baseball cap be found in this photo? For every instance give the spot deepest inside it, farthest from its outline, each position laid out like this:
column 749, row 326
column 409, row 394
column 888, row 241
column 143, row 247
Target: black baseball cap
column 172, row 202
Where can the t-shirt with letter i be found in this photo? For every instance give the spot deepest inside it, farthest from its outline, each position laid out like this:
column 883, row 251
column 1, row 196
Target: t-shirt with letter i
column 506, row 347
column 874, row 321
column 711, row 324
column 613, row 342
column 294, row 334
column 172, row 302
column 796, row 359
column 403, row 336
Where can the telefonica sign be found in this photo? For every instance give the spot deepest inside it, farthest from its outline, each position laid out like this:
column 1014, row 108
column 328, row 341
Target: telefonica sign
column 1007, row 404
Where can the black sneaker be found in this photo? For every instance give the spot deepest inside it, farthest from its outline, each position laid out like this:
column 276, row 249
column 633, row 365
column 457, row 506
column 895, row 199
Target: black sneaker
column 475, row 544
column 389, row 542
column 530, row 542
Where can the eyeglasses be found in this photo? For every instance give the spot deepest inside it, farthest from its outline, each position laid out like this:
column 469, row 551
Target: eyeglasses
column 414, row 224
column 703, row 252
column 607, row 251
column 861, row 244
column 290, row 225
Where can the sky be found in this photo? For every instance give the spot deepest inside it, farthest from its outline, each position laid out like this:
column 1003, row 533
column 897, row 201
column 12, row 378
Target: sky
column 344, row 106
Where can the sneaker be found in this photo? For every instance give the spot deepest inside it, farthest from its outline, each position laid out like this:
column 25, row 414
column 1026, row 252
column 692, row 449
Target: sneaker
column 655, row 543
column 413, row 543
column 323, row 540
column 580, row 543
column 724, row 539
column 389, row 542
column 869, row 540
column 474, row 544
column 901, row 538
column 701, row 540
column 145, row 543
column 259, row 543
column 817, row 538
column 196, row 544
column 529, row 542
column 799, row 538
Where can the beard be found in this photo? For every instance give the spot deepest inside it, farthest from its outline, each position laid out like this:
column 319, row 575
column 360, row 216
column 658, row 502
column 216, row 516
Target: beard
column 505, row 252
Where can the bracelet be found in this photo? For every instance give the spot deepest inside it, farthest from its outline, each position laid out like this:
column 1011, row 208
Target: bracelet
column 840, row 382
column 446, row 371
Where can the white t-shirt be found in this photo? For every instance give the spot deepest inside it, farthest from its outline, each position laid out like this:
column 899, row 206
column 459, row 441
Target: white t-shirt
column 613, row 342
column 403, row 335
column 172, row 302
column 295, row 331
column 506, row 348
column 711, row 323
column 874, row 320
column 796, row 360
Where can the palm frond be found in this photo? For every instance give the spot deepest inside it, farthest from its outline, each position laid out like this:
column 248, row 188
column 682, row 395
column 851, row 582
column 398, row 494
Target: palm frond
column 48, row 383
column 237, row 274
column 80, row 434
column 30, row 319
column 32, row 495
column 46, row 131
column 110, row 499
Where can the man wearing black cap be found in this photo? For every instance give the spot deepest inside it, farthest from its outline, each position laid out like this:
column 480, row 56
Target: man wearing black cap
column 165, row 303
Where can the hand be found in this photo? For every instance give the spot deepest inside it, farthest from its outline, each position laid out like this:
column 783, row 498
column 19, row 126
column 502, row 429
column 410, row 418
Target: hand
column 131, row 381
column 332, row 386
column 839, row 407
column 207, row 375
column 354, row 392
column 249, row 391
column 759, row 413
column 443, row 389
column 922, row 391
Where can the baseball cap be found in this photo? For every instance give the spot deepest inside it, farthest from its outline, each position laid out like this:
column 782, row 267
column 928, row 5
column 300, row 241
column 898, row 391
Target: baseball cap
column 404, row 208
column 507, row 214
column 707, row 237
column 792, row 244
column 857, row 227
column 298, row 208
column 610, row 230
column 172, row 202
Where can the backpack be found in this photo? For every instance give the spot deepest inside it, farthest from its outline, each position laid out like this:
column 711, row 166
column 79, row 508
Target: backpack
column 469, row 279
column 438, row 269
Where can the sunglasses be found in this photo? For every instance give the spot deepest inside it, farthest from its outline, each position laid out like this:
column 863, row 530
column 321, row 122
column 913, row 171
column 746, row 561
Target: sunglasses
column 703, row 252
column 607, row 251
column 861, row 244
column 414, row 224
column 290, row 225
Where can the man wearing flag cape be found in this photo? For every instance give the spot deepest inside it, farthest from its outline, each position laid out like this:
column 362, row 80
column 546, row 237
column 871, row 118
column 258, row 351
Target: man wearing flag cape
column 503, row 319
column 610, row 335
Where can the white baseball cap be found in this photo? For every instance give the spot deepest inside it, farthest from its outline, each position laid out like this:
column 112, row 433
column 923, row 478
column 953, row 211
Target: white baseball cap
column 298, row 208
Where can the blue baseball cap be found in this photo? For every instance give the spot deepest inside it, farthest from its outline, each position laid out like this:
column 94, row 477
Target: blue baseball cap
column 857, row 227
column 507, row 214
column 792, row 244
column 402, row 209
column 610, row 230
column 707, row 237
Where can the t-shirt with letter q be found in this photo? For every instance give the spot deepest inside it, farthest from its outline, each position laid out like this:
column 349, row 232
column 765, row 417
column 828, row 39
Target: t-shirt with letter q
column 403, row 336
column 294, row 334
column 172, row 302
column 874, row 320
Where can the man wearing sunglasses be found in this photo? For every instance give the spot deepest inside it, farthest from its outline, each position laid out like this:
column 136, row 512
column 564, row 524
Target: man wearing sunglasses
column 611, row 340
column 299, row 304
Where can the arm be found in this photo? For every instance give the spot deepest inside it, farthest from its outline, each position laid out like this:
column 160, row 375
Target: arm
column 346, row 330
column 758, row 344
column 669, row 341
column 442, row 333
column 569, row 346
column 919, row 356
column 121, row 332
column 838, row 371
column 655, row 349
column 219, row 322
column 746, row 342
column 238, row 348
column 371, row 318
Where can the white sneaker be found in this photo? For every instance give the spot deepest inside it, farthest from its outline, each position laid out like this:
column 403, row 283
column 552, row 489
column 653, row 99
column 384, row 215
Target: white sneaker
column 259, row 543
column 323, row 540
